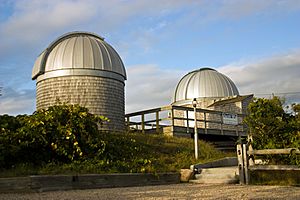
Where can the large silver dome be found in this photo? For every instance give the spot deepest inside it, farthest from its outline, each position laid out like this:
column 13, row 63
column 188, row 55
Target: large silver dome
column 204, row 82
column 79, row 53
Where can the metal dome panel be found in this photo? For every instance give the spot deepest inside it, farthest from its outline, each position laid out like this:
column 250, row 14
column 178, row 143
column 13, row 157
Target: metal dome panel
column 78, row 51
column 205, row 82
column 36, row 68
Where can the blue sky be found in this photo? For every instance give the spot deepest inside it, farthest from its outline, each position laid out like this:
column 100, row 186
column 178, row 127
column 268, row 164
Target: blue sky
column 256, row 43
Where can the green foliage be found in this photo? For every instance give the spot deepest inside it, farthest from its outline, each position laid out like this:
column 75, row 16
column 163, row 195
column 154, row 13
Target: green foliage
column 275, row 177
column 9, row 123
column 272, row 127
column 65, row 139
column 62, row 133
column 129, row 153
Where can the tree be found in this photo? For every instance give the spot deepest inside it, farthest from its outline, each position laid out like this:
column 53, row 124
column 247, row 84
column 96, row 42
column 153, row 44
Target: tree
column 266, row 121
column 271, row 126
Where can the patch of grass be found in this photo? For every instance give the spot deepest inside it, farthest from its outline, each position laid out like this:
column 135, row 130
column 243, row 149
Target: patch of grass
column 130, row 153
column 20, row 170
column 173, row 153
column 275, row 177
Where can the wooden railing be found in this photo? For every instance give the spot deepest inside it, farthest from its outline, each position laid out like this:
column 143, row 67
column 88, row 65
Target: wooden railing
column 181, row 119
column 142, row 124
column 246, row 160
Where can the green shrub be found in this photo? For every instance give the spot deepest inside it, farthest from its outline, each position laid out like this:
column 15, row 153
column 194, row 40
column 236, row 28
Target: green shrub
column 273, row 127
column 62, row 133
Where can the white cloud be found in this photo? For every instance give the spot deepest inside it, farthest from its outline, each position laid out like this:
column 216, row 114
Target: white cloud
column 278, row 74
column 149, row 86
column 236, row 9
column 32, row 22
column 34, row 19
column 14, row 102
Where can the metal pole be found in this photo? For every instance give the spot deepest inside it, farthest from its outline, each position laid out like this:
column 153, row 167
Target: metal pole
column 195, row 129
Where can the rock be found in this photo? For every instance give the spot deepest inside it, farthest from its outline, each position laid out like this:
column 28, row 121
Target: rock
column 186, row 175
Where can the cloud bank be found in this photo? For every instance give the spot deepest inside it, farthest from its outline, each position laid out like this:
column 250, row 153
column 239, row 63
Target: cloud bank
column 276, row 74
column 17, row 102
column 149, row 86
column 136, row 26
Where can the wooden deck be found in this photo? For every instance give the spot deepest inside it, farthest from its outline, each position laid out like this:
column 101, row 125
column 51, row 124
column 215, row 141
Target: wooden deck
column 169, row 120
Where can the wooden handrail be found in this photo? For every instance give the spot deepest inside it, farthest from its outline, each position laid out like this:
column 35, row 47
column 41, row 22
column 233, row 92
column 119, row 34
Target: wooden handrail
column 275, row 167
column 166, row 108
column 274, row 151
column 179, row 118
column 208, row 117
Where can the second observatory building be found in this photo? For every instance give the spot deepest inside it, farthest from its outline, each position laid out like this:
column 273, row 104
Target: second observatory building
column 81, row 68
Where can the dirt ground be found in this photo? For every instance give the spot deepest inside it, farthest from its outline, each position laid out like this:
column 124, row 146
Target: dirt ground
column 176, row 191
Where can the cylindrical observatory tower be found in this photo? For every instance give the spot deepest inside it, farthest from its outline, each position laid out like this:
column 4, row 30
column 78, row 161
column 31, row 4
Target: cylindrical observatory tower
column 81, row 68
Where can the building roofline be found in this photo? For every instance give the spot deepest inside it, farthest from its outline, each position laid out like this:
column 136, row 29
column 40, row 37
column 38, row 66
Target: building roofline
column 231, row 100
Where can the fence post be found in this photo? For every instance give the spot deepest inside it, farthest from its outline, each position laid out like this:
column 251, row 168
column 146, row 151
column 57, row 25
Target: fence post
column 245, row 159
column 239, row 151
column 250, row 148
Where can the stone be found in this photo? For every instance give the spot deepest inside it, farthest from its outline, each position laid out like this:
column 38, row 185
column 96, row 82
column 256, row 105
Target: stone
column 186, row 175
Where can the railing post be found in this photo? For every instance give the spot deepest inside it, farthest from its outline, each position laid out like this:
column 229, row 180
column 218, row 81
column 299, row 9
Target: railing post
column 157, row 121
column 187, row 122
column 172, row 120
column 222, row 131
column 128, row 123
column 172, row 116
column 205, row 125
column 143, row 123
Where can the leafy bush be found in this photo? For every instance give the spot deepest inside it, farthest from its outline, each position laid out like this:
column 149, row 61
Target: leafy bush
column 62, row 133
column 273, row 127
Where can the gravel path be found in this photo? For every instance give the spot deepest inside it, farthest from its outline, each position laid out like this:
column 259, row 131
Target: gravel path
column 176, row 191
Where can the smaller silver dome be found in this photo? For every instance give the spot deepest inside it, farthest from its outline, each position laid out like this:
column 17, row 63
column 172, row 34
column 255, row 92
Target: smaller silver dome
column 204, row 82
column 79, row 53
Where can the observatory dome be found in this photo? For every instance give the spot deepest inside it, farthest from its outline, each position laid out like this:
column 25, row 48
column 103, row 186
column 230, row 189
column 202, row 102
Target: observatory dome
column 79, row 53
column 204, row 82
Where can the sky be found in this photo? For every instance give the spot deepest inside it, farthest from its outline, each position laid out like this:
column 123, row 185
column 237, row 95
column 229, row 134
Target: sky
column 255, row 43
